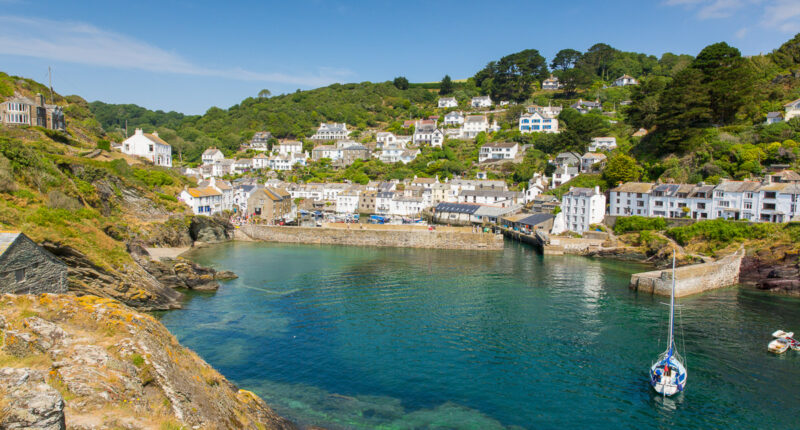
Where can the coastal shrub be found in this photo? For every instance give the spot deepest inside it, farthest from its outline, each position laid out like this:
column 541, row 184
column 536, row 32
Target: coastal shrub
column 104, row 145
column 720, row 233
column 153, row 178
column 167, row 197
column 58, row 200
column 638, row 223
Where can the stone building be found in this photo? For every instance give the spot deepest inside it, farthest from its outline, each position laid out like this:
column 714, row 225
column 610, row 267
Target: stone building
column 27, row 268
column 270, row 204
column 20, row 110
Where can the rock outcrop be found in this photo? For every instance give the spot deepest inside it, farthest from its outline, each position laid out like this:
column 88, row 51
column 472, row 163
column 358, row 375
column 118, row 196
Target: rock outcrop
column 131, row 284
column 89, row 363
column 776, row 270
column 210, row 230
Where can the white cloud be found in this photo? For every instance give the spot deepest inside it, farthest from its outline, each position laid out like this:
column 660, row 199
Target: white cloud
column 742, row 32
column 783, row 15
column 82, row 43
column 713, row 9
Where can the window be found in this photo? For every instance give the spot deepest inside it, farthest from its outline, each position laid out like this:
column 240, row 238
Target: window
column 719, row 194
column 19, row 275
column 701, row 206
column 151, row 148
column 769, row 206
column 769, row 195
column 748, row 195
column 748, row 205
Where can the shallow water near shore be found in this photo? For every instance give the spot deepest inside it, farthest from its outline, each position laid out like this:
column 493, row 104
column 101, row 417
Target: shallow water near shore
column 357, row 337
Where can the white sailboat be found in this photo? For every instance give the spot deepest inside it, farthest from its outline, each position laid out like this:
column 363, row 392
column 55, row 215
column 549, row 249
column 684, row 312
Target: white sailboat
column 667, row 374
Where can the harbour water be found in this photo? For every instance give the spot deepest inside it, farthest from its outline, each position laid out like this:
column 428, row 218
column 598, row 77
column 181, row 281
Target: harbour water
column 355, row 337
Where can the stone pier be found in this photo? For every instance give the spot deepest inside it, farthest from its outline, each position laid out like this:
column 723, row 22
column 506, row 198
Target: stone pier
column 391, row 236
column 691, row 279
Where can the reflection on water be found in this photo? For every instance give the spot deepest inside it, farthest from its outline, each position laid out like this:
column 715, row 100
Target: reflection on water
column 401, row 338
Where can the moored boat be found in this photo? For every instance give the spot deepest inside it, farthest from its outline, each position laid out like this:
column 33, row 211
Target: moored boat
column 778, row 346
column 668, row 374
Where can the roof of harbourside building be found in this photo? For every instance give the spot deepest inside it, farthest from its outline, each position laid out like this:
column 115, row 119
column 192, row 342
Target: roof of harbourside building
column 582, row 192
column 457, row 208
column 634, row 187
column 203, row 192
column 500, row 145
column 738, row 186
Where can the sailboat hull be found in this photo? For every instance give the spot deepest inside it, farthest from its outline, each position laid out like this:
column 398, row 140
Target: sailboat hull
column 668, row 385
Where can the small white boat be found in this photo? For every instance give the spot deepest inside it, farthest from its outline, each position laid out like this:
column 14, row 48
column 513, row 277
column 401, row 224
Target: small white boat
column 780, row 334
column 778, row 346
column 668, row 374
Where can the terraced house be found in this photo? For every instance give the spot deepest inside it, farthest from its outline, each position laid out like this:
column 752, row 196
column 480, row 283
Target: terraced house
column 27, row 268
column 271, row 205
column 203, row 201
column 20, row 110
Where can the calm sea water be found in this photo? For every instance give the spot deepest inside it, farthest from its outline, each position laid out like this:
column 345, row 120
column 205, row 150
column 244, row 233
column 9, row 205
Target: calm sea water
column 350, row 337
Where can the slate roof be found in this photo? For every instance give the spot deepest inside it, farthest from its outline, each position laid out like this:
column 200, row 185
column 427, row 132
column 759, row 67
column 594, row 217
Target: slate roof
column 634, row 187
column 536, row 219
column 461, row 208
column 581, row 192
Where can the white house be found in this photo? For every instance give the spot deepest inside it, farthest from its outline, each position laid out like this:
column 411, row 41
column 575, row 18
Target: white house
column 773, row 117
column 288, row 148
column 473, row 125
column 331, row 131
column 261, row 161
column 203, row 201
column 583, row 207
column 592, row 162
column 606, row 143
column 260, row 141
column 538, row 122
column 490, row 197
column 481, row 102
column 536, row 186
column 549, row 110
column 454, row 118
column 448, row 102
column 426, row 132
column 562, row 175
column 148, row 146
column 551, row 83
column 243, row 165
column 630, row 198
column 347, row 200
column 584, row 106
column 624, row 81
column 212, row 155
column 385, row 137
column 791, row 109
column 226, row 202
column 498, row 151
column 240, row 195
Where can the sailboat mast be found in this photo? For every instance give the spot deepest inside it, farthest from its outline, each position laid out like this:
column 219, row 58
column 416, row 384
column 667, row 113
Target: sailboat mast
column 671, row 307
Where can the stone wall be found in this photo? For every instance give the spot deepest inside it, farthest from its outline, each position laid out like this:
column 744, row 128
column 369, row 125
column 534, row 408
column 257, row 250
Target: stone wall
column 42, row 272
column 374, row 237
column 691, row 279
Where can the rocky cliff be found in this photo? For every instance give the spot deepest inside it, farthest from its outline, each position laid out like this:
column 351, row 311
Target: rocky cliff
column 93, row 363
column 775, row 269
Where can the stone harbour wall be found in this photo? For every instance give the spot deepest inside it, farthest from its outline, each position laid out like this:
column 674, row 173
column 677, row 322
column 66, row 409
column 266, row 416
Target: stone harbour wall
column 691, row 279
column 374, row 237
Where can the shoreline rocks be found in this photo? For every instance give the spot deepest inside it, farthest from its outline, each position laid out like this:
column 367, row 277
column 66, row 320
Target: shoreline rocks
column 92, row 362
column 775, row 270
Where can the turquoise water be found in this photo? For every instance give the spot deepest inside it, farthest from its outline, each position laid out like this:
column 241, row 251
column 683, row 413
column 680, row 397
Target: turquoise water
column 349, row 337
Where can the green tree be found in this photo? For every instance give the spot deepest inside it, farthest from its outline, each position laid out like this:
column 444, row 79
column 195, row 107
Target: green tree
column 729, row 80
column 565, row 59
column 512, row 76
column 683, row 109
column 597, row 59
column 446, row 86
column 645, row 101
column 401, row 83
column 788, row 54
column 621, row 168
column 265, row 93
column 573, row 79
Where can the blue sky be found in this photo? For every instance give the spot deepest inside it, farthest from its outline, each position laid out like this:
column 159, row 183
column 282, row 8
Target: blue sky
column 191, row 55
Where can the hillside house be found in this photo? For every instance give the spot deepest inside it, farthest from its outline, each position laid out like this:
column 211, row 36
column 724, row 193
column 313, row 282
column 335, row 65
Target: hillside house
column 385, row 137
column 212, row 155
column 567, row 159
column 498, row 151
column 27, row 268
column 791, row 110
column 605, row 143
column 624, row 81
column 225, row 188
column 585, row 106
column 583, row 207
column 773, row 117
column 148, row 146
column 490, row 197
column 260, row 141
column 481, row 102
column 426, row 132
column 448, row 102
column 551, row 83
column 538, row 122
column 289, row 147
column 243, row 165
column 562, row 175
column 203, row 201
column 473, row 125
column 331, row 131
column 551, row 111
column 454, row 118
column 20, row 110
column 592, row 162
